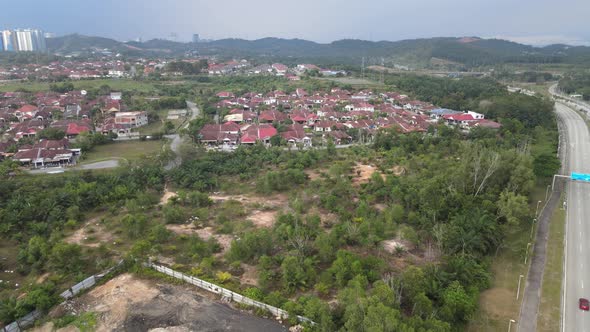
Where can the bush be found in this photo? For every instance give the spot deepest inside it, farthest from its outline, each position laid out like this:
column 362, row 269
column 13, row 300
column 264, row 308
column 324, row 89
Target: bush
column 173, row 215
column 223, row 277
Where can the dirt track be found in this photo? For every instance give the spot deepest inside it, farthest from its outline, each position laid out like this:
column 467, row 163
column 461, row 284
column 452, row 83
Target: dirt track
column 127, row 303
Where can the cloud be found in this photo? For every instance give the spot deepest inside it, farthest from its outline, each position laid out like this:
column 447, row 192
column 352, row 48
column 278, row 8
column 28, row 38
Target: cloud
column 544, row 40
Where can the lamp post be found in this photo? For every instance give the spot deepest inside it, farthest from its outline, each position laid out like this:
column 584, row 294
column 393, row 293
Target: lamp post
column 518, row 291
column 547, row 192
column 533, row 226
column 537, row 210
column 510, row 324
column 526, row 254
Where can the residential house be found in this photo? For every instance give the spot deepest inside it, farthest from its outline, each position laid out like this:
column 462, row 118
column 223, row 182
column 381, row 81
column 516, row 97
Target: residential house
column 338, row 137
column 40, row 157
column 272, row 116
column 257, row 133
column 131, row 119
column 295, row 134
column 26, row 112
column 213, row 134
column 225, row 94
column 280, row 69
column 73, row 128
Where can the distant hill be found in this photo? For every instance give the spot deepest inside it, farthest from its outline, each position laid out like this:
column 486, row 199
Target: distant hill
column 466, row 51
column 77, row 43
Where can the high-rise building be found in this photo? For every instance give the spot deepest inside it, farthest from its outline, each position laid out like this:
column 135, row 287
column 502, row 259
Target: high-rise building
column 23, row 40
column 8, row 40
column 196, row 38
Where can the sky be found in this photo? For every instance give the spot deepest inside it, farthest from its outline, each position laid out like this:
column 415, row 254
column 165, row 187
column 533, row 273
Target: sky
column 536, row 22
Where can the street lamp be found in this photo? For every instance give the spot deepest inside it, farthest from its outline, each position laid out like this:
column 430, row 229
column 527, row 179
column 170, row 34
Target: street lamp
column 518, row 291
column 510, row 324
column 547, row 192
column 537, row 210
column 533, row 226
column 526, row 254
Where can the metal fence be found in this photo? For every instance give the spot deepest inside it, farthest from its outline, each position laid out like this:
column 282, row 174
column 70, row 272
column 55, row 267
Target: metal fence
column 22, row 323
column 226, row 293
column 29, row 319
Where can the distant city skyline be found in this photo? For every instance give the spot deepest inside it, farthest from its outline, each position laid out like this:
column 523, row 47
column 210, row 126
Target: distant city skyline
column 22, row 40
column 535, row 22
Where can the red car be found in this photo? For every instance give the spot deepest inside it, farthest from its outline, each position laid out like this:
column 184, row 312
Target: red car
column 584, row 304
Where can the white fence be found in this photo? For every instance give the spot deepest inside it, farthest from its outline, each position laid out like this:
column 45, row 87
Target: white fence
column 226, row 293
column 29, row 319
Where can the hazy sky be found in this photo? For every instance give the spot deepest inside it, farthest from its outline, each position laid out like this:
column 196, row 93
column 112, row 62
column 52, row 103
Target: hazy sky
column 528, row 21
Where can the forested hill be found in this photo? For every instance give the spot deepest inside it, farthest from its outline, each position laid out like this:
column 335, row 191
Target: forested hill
column 465, row 51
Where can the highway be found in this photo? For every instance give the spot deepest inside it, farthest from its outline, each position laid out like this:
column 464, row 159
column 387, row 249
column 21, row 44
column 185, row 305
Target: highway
column 576, row 281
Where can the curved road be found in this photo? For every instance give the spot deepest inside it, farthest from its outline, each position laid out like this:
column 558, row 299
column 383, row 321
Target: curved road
column 576, row 281
column 177, row 140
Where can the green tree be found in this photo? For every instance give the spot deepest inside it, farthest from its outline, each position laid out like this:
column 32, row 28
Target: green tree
column 546, row 165
column 512, row 207
column 458, row 305
column 66, row 257
column 294, row 276
column 51, row 134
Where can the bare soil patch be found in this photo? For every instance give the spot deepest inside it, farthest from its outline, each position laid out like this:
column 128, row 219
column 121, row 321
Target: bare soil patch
column 362, row 173
column 314, row 174
column 261, row 211
column 42, row 278
column 167, row 196
column 204, row 233
column 250, row 275
column 127, row 303
column 91, row 234
column 398, row 170
column 391, row 245
column 274, row 201
column 264, row 219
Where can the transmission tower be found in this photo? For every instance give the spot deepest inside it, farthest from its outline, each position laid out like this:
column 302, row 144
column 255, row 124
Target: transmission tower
column 382, row 80
column 363, row 68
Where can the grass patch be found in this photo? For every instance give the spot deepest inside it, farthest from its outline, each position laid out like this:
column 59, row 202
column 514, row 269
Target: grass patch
column 8, row 262
column 158, row 126
column 353, row 81
column 128, row 150
column 84, row 322
column 115, row 84
column 550, row 307
column 498, row 304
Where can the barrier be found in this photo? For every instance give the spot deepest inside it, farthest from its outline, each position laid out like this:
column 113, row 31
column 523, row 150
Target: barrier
column 29, row 319
column 225, row 293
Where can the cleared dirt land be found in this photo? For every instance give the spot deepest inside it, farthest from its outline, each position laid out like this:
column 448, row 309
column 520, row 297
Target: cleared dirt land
column 127, row 303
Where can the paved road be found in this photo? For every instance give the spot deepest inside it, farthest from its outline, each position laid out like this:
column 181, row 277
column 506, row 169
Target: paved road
column 578, row 104
column 111, row 163
column 177, row 140
column 101, row 164
column 577, row 251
